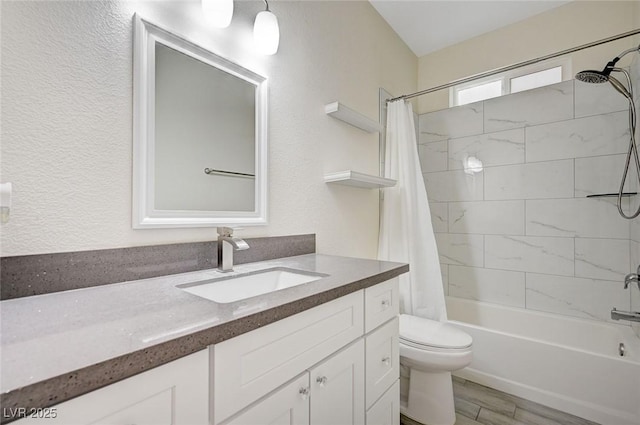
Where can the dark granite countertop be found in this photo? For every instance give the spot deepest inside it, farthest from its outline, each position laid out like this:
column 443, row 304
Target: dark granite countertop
column 61, row 345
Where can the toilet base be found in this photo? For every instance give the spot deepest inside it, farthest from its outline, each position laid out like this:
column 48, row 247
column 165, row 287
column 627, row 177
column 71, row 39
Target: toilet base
column 430, row 398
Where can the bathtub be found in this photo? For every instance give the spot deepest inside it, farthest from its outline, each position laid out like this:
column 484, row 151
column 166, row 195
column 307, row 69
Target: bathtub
column 568, row 364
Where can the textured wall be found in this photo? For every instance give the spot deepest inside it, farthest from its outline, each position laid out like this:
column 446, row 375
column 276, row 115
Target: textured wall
column 67, row 118
column 518, row 230
column 567, row 26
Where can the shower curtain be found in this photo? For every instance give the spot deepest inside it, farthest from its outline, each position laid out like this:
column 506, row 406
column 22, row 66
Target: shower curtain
column 406, row 232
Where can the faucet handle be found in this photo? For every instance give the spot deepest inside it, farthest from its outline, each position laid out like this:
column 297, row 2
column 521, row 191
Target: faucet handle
column 225, row 231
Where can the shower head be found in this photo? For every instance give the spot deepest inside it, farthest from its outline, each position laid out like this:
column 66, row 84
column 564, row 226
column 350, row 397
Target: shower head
column 592, row 77
column 599, row 77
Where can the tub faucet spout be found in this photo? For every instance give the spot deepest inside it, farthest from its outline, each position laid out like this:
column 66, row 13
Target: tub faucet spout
column 632, row 316
column 226, row 245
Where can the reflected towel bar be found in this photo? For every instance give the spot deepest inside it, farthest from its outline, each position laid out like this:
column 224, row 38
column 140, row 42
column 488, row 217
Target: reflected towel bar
column 213, row 171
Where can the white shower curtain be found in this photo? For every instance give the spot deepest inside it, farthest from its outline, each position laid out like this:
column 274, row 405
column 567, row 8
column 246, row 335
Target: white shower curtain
column 406, row 232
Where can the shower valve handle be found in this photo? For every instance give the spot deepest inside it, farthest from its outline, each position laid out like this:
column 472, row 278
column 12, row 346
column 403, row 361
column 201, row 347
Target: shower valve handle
column 632, row 277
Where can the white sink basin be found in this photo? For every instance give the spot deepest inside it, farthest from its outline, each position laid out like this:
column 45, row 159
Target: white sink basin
column 239, row 287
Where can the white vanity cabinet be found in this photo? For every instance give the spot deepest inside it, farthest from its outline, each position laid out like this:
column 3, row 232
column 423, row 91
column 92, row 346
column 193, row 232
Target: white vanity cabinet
column 174, row 393
column 334, row 364
column 337, row 363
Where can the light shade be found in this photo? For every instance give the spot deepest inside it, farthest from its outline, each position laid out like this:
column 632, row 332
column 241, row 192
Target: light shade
column 218, row 12
column 266, row 33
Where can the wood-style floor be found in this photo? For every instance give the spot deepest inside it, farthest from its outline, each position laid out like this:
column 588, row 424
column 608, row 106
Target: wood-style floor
column 480, row 405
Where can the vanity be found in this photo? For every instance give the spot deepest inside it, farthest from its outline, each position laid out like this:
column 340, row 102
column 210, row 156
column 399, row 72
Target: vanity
column 322, row 352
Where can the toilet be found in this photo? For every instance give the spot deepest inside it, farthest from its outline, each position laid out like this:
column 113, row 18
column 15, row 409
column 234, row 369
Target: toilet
column 429, row 352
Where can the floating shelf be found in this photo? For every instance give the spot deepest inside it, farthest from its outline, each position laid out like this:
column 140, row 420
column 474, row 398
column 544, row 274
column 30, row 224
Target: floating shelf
column 348, row 115
column 611, row 195
column 353, row 178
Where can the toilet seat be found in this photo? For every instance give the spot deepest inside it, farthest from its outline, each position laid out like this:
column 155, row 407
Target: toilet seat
column 429, row 348
column 426, row 334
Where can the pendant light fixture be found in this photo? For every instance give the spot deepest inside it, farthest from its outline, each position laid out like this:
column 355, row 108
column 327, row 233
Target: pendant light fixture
column 266, row 33
column 218, row 12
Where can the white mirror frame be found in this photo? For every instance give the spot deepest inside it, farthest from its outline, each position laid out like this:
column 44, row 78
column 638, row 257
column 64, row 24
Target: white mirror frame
column 145, row 216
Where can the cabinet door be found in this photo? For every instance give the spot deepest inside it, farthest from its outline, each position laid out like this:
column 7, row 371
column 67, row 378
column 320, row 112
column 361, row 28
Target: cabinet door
column 337, row 388
column 288, row 405
column 386, row 411
column 155, row 410
column 174, row 393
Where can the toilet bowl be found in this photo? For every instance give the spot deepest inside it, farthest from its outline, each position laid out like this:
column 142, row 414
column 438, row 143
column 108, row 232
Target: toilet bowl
column 431, row 350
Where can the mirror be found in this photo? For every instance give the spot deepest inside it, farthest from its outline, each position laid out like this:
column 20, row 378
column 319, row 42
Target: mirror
column 200, row 136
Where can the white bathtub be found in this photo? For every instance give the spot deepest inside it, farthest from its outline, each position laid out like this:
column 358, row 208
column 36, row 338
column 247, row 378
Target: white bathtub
column 568, row 364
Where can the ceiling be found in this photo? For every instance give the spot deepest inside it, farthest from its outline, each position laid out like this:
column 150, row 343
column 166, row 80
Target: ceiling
column 427, row 25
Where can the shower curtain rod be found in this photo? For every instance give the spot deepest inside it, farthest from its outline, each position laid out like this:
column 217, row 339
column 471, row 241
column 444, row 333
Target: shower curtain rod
column 517, row 65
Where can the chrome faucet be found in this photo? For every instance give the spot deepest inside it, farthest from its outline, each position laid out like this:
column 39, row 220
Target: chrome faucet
column 226, row 245
column 632, row 316
column 632, row 277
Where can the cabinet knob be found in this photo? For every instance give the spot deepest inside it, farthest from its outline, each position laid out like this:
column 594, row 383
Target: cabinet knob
column 321, row 380
column 385, row 304
column 386, row 360
column 304, row 393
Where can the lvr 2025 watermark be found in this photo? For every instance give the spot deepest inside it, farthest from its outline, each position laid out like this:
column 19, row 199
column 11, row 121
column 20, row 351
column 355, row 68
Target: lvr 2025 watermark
column 29, row 412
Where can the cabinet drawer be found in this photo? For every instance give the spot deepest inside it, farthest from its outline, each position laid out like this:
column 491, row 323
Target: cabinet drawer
column 386, row 411
column 382, row 303
column 249, row 366
column 382, row 360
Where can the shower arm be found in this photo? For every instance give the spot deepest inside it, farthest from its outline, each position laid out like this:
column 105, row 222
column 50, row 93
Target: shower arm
column 626, row 52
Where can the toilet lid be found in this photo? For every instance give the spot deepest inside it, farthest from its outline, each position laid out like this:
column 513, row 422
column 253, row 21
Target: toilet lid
column 430, row 333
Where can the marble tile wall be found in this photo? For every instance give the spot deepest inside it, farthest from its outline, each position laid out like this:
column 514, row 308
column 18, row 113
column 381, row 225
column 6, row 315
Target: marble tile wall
column 507, row 181
column 634, row 237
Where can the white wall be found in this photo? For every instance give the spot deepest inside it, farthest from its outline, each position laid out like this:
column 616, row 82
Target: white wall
column 567, row 26
column 67, row 108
